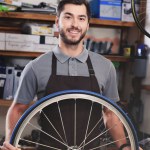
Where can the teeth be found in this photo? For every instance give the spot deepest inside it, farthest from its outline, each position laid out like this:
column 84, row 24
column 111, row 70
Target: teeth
column 74, row 31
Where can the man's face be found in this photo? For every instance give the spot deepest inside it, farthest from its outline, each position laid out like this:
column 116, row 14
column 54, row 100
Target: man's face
column 72, row 24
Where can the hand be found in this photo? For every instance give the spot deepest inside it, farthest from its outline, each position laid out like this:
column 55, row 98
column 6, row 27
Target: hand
column 7, row 146
column 128, row 148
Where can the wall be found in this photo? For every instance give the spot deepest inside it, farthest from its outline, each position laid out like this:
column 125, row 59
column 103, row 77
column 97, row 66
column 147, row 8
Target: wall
column 3, row 111
column 145, row 126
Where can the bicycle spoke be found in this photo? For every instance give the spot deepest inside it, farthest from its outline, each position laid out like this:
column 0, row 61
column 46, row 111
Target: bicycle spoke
column 53, row 126
column 99, row 135
column 62, row 122
column 109, row 143
column 91, row 131
column 38, row 144
column 78, row 123
column 141, row 18
column 47, row 134
column 142, row 13
column 88, row 123
column 75, row 122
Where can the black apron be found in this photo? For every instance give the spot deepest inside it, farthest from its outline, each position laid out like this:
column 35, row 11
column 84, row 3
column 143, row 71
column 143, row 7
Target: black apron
column 59, row 83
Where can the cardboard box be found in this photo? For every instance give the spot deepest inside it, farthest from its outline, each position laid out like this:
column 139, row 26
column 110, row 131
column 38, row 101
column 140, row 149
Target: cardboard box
column 43, row 47
column 2, row 37
column 19, row 46
column 51, row 40
column 31, row 43
column 127, row 12
column 29, row 47
column 110, row 9
column 2, row 41
column 42, row 30
column 2, row 46
column 8, row 88
column 13, row 2
column 22, row 38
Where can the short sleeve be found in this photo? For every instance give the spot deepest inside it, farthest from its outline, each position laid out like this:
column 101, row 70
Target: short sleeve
column 111, row 89
column 27, row 86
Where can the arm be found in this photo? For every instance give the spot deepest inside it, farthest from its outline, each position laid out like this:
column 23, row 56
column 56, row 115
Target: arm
column 113, row 123
column 14, row 113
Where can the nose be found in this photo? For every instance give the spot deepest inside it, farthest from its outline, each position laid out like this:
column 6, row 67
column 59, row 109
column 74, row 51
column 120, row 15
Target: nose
column 75, row 22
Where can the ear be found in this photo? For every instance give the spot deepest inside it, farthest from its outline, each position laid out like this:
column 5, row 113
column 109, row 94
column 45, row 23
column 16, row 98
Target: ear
column 57, row 21
column 88, row 26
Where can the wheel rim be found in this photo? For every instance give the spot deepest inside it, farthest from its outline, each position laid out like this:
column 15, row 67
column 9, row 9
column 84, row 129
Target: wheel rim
column 63, row 96
column 141, row 17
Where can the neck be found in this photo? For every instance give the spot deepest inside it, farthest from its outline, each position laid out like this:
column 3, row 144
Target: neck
column 71, row 50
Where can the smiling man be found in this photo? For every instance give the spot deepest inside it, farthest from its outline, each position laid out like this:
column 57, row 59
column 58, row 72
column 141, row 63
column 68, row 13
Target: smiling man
column 72, row 67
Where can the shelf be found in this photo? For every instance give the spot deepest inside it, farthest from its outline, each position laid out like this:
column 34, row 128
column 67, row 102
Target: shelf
column 117, row 58
column 36, row 54
column 10, row 29
column 146, row 87
column 6, row 103
column 48, row 17
column 20, row 54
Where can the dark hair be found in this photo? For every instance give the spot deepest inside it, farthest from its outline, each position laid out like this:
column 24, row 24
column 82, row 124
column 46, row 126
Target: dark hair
column 62, row 3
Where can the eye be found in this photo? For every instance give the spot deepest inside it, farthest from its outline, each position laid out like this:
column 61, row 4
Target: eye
column 82, row 19
column 67, row 17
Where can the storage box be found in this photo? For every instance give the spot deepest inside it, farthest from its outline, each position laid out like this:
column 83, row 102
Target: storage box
column 42, row 30
column 2, row 45
column 110, row 9
column 43, row 47
column 19, row 46
column 2, row 41
column 22, row 38
column 127, row 12
column 94, row 7
column 2, row 37
column 30, row 47
column 13, row 2
column 51, row 40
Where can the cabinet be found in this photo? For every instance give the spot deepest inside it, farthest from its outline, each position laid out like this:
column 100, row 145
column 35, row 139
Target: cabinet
column 17, row 18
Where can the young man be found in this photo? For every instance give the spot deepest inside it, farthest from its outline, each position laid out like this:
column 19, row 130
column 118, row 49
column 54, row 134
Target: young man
column 39, row 77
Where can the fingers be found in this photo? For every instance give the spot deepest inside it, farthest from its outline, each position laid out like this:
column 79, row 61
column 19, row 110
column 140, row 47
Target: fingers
column 8, row 146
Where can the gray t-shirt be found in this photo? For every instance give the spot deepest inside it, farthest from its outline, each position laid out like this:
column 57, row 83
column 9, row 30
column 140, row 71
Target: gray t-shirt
column 35, row 76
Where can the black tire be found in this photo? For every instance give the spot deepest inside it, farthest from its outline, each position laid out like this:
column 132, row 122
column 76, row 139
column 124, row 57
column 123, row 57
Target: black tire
column 140, row 17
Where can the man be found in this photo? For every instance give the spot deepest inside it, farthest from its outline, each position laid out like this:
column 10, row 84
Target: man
column 41, row 76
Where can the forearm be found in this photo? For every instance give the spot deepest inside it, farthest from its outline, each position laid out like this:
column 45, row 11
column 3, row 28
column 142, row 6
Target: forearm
column 115, row 127
column 13, row 115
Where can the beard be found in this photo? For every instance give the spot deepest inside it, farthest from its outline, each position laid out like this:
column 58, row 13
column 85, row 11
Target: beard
column 68, row 41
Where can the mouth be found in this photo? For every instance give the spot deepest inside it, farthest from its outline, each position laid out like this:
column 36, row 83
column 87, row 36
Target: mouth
column 73, row 32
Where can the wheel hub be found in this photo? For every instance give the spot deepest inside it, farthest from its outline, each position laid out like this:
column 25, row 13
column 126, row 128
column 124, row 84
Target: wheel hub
column 73, row 148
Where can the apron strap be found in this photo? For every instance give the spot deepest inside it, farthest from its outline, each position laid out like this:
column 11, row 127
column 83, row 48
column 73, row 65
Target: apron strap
column 54, row 66
column 90, row 67
column 92, row 76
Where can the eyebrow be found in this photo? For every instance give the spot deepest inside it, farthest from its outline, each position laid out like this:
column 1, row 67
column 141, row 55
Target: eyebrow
column 68, row 13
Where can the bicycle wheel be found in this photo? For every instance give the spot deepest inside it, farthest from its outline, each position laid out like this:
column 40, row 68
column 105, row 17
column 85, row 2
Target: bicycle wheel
column 73, row 130
column 141, row 16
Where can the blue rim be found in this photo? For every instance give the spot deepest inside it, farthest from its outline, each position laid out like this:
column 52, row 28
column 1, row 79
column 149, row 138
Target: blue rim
column 30, row 109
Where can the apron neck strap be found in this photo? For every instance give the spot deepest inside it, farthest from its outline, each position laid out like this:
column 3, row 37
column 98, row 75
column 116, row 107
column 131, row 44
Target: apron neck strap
column 54, row 66
column 89, row 64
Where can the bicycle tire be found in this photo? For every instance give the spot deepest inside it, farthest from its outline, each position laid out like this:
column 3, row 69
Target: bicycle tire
column 140, row 18
column 74, row 94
